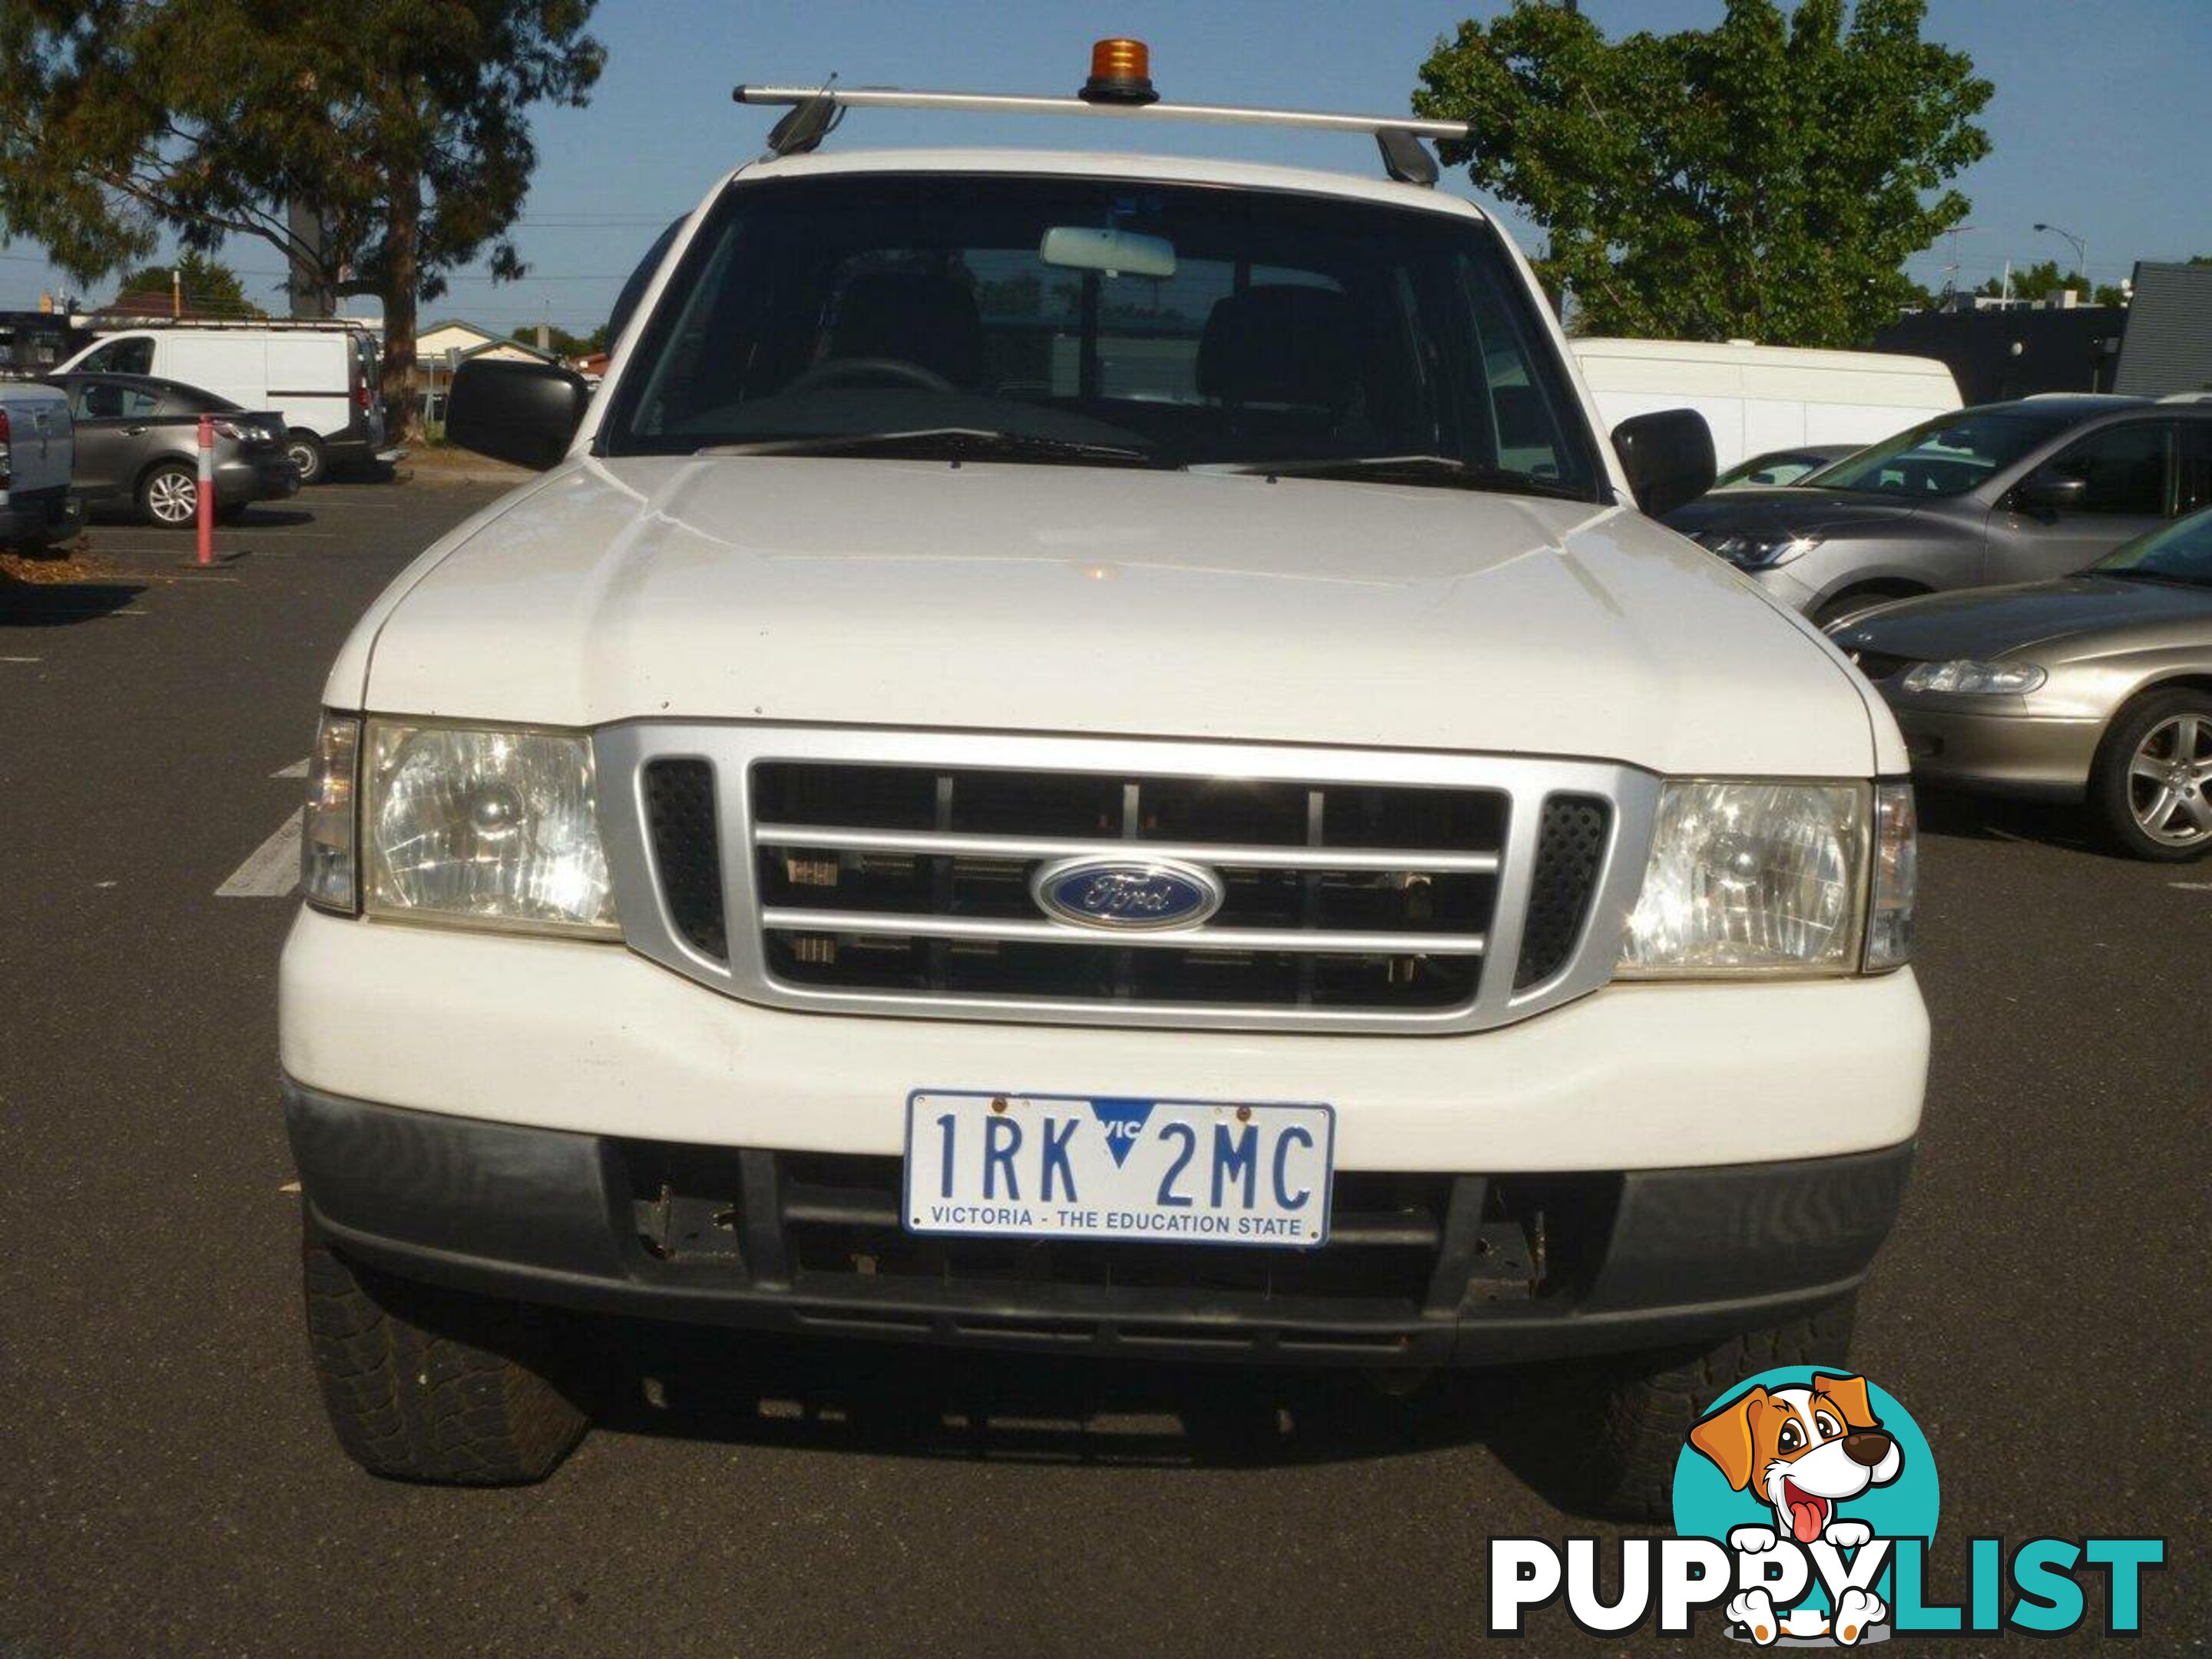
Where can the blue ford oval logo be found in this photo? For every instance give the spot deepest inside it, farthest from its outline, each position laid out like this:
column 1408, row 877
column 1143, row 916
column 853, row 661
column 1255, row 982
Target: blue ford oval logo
column 1127, row 894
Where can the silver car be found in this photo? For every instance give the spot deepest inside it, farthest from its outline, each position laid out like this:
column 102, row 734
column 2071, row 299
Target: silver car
column 2096, row 686
column 2003, row 493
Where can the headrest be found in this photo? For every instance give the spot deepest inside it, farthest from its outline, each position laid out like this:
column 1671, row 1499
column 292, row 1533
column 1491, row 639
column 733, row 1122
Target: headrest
column 1281, row 344
column 930, row 320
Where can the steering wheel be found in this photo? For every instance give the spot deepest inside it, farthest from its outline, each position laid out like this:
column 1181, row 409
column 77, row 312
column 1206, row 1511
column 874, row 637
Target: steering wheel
column 843, row 371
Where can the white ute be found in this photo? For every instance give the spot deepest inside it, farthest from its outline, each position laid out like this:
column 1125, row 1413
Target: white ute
column 1085, row 752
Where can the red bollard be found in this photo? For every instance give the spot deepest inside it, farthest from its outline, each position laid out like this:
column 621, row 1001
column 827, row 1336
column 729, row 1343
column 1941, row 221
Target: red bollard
column 207, row 489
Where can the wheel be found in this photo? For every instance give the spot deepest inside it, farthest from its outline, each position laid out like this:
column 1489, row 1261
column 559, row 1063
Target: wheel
column 423, row 1383
column 2152, row 784
column 169, row 496
column 1641, row 1409
column 306, row 450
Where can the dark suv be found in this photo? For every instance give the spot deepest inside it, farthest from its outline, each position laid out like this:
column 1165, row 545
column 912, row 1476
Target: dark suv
column 2003, row 493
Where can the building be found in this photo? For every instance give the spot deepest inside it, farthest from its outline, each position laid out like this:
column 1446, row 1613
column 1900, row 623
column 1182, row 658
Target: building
column 1995, row 354
column 442, row 345
column 2168, row 347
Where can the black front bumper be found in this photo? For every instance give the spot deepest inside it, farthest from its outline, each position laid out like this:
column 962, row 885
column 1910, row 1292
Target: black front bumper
column 1421, row 1269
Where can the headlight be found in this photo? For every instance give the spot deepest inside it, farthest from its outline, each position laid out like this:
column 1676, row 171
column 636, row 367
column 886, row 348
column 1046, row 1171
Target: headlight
column 326, row 858
column 482, row 826
column 1974, row 678
column 1752, row 877
column 1757, row 552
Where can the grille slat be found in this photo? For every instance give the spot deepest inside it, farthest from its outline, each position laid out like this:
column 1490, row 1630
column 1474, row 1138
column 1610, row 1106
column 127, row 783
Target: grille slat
column 778, row 919
column 891, row 872
column 827, row 837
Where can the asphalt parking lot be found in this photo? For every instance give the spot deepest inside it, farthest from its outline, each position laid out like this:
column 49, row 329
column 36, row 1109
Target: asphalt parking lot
column 167, row 1485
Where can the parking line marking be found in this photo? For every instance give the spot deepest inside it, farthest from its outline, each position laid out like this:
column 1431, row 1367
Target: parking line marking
column 272, row 870
column 22, row 658
column 298, row 769
column 2192, row 886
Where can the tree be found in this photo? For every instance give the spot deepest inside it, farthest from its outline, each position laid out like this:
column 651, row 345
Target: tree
column 2038, row 281
column 400, row 126
column 211, row 288
column 564, row 343
column 1765, row 178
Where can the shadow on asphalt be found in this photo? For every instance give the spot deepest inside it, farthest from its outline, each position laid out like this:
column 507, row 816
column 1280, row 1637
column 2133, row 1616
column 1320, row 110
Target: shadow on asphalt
column 57, row 604
column 260, row 516
column 898, row 1400
column 1993, row 817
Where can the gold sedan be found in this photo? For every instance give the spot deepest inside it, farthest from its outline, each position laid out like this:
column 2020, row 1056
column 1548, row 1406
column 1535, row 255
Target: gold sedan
column 2095, row 687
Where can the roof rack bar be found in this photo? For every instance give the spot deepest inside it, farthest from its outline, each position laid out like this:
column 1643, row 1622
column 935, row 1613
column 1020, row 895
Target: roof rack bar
column 994, row 103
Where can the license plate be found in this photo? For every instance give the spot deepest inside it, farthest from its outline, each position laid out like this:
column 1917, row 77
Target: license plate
column 1072, row 1166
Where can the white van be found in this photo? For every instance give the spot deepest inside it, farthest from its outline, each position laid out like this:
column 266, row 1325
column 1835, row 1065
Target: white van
column 322, row 377
column 1758, row 399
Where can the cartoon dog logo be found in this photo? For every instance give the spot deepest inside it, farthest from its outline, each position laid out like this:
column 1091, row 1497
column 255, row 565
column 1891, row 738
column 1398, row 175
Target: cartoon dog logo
column 1804, row 1451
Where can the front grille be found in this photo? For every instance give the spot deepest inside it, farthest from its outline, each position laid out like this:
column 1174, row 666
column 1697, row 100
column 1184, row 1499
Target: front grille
column 895, row 873
column 915, row 881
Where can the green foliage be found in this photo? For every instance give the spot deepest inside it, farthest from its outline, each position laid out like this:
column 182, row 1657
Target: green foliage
column 562, row 341
column 211, row 287
column 1764, row 179
column 401, row 124
column 2040, row 279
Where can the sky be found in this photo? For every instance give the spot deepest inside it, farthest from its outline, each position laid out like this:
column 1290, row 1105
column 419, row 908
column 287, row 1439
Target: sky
column 2097, row 124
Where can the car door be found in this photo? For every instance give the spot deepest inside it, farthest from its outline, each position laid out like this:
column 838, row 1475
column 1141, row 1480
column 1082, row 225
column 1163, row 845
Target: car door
column 113, row 432
column 2129, row 471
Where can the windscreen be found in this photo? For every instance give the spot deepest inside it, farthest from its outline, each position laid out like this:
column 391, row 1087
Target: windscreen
column 1947, row 456
column 1187, row 325
column 2179, row 552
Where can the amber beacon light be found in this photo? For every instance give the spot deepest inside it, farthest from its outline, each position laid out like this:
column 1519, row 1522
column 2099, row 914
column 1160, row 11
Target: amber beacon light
column 1121, row 73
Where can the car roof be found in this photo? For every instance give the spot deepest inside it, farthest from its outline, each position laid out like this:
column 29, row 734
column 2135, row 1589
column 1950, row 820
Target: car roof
column 1102, row 164
column 153, row 383
column 2072, row 406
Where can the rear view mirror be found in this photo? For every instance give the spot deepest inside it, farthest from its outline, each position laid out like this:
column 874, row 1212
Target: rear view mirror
column 1117, row 252
column 1668, row 458
column 525, row 413
column 2050, row 491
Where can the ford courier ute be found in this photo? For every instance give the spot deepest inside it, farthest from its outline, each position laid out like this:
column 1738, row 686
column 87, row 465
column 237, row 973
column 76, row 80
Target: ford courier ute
column 1096, row 753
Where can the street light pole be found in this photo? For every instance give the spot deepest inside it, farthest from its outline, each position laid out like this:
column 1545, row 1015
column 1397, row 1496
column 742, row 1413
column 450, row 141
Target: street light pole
column 2081, row 252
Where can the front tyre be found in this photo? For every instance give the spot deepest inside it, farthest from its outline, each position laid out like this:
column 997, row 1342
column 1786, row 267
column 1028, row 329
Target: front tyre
column 2152, row 785
column 1642, row 1408
column 424, row 1383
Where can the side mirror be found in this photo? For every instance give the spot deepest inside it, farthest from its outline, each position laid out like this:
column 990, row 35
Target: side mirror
column 2046, row 490
column 525, row 413
column 1669, row 458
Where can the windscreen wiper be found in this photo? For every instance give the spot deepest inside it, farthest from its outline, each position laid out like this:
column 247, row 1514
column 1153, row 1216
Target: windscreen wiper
column 947, row 442
column 1440, row 471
